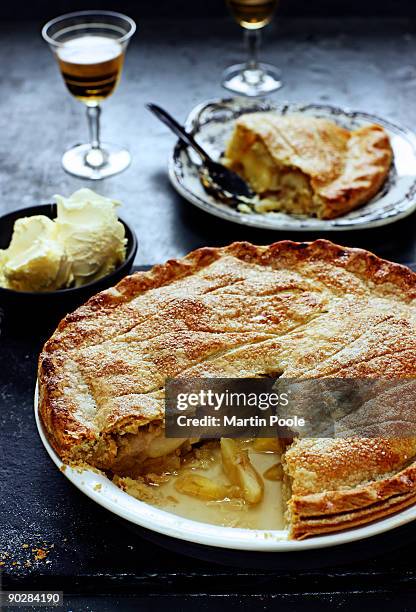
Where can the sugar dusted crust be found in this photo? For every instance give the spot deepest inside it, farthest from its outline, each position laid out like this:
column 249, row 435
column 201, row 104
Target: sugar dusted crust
column 336, row 484
column 294, row 309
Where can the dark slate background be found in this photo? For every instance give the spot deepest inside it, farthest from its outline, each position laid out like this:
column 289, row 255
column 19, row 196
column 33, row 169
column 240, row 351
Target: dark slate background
column 22, row 9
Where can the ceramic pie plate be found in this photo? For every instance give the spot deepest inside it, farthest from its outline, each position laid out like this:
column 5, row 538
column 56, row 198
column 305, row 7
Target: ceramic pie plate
column 212, row 123
column 102, row 491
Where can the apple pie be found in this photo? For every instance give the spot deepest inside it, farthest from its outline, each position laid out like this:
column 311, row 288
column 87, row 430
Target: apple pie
column 297, row 310
column 307, row 165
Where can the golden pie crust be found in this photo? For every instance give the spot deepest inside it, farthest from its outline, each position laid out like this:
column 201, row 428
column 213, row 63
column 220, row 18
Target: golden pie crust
column 291, row 309
column 307, row 165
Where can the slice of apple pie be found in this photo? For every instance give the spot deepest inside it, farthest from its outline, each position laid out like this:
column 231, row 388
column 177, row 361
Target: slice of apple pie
column 306, row 165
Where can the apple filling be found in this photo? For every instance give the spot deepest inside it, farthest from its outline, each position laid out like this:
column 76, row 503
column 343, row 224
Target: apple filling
column 135, row 453
column 227, row 482
column 280, row 187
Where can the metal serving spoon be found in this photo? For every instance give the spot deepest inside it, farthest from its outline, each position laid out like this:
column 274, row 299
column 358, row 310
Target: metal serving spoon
column 218, row 180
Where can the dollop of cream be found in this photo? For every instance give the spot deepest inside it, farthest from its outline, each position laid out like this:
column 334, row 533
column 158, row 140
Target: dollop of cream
column 90, row 233
column 85, row 242
column 35, row 259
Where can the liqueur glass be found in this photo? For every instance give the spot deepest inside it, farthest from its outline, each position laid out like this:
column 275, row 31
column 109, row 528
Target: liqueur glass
column 252, row 78
column 89, row 47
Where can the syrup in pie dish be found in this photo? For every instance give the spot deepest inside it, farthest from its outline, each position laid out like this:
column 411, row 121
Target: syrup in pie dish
column 290, row 309
column 201, row 490
column 306, row 165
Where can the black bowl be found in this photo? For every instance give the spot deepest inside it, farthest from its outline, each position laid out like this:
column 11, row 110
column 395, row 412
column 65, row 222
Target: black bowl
column 35, row 307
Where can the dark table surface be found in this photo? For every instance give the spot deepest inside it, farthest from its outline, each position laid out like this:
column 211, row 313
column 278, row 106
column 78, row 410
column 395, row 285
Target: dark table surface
column 364, row 64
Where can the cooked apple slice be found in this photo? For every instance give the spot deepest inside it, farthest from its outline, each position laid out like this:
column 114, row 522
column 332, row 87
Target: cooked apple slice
column 203, row 487
column 238, row 468
column 267, row 445
column 275, row 473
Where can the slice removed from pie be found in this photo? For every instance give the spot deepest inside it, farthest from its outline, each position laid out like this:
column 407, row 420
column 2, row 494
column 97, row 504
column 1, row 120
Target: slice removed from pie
column 298, row 310
column 307, row 165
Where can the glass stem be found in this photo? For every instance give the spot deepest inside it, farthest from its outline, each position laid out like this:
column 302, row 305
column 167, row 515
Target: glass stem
column 93, row 116
column 253, row 43
column 95, row 157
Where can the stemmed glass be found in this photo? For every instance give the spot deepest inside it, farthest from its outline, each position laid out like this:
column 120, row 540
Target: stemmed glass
column 89, row 47
column 252, row 78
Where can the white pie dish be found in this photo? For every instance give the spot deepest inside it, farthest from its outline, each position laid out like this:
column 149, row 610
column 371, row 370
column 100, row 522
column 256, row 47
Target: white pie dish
column 212, row 122
column 102, row 491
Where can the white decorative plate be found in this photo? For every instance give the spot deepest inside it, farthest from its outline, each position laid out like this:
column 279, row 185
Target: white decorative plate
column 212, row 123
column 101, row 490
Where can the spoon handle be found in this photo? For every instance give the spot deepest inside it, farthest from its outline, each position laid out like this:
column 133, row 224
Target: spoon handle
column 179, row 130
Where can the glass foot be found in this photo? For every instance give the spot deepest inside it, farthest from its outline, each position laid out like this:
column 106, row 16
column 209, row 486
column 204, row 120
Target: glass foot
column 85, row 162
column 248, row 82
